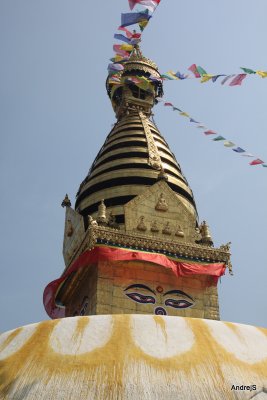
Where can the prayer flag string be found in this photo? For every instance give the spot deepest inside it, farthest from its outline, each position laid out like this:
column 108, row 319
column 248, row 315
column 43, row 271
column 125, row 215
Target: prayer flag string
column 215, row 136
column 200, row 73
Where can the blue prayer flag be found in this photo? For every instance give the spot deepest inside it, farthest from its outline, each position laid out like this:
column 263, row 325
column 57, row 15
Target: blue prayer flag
column 134, row 18
column 239, row 150
column 122, row 38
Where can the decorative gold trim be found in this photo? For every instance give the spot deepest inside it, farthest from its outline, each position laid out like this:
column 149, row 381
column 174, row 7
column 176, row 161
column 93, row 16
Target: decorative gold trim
column 150, row 243
column 153, row 155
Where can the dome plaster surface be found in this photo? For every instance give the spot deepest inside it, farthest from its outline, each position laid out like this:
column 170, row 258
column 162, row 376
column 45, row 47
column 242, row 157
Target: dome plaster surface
column 133, row 357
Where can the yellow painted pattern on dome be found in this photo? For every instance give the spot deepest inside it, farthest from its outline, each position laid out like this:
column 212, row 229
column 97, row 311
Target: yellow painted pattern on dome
column 141, row 355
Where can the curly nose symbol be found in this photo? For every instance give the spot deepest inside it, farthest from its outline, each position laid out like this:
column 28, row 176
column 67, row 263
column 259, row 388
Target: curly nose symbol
column 160, row 311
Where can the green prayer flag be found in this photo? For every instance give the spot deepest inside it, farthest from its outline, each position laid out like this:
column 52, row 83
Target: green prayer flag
column 201, row 71
column 248, row 70
column 264, row 165
column 218, row 138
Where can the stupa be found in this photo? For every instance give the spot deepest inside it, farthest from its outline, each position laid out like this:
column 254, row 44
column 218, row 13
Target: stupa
column 135, row 314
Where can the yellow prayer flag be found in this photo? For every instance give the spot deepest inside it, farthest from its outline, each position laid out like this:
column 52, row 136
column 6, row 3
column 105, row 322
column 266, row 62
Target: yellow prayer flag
column 263, row 74
column 126, row 47
column 227, row 143
column 172, row 74
column 206, row 78
column 184, row 114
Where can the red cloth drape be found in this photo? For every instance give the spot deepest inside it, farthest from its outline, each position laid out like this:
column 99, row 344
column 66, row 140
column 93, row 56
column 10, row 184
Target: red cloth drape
column 105, row 253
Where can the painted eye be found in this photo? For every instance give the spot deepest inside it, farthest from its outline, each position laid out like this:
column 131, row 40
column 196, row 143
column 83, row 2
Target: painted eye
column 141, row 298
column 178, row 303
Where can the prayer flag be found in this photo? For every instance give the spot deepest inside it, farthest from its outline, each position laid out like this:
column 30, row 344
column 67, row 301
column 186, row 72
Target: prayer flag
column 184, row 114
column 263, row 74
column 218, row 138
column 115, row 67
column 176, row 109
column 264, row 165
column 227, row 78
column 238, row 80
column 149, row 3
column 210, row 132
column 180, row 76
column 134, row 18
column 206, row 78
column 239, row 150
column 201, row 71
column 192, row 120
column 193, row 69
column 256, row 162
column 227, row 143
column 201, row 126
column 127, row 47
column 168, row 104
column 165, row 76
column 117, row 48
column 248, row 70
column 122, row 38
column 215, row 77
column 155, row 78
column 248, row 155
column 172, row 74
column 132, row 79
column 142, row 24
column 128, row 33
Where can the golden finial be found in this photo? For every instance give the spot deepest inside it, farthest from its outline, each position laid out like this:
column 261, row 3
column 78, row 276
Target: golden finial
column 66, row 202
column 101, row 215
column 205, row 234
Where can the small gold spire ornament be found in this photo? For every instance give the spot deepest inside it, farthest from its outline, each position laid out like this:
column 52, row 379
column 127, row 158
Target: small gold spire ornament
column 92, row 222
column 101, row 215
column 161, row 204
column 141, row 225
column 205, row 234
column 66, row 202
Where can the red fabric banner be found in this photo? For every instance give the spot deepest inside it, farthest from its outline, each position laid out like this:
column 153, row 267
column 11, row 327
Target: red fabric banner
column 105, row 253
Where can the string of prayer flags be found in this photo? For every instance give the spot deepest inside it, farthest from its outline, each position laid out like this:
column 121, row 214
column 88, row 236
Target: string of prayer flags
column 218, row 138
column 200, row 73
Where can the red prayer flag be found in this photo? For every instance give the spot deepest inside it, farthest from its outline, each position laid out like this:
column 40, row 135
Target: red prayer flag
column 193, row 69
column 256, row 162
column 128, row 33
column 238, row 80
column 210, row 132
column 168, row 104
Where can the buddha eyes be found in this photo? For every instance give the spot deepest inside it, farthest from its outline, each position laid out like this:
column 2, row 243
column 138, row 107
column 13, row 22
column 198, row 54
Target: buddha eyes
column 178, row 303
column 141, row 298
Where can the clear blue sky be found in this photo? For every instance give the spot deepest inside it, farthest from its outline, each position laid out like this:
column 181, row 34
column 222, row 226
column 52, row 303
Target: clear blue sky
column 55, row 115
